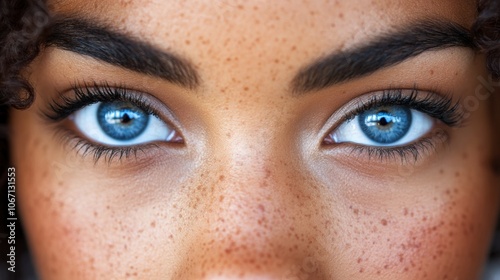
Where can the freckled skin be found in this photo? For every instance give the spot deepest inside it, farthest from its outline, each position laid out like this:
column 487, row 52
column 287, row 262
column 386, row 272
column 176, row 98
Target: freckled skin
column 251, row 195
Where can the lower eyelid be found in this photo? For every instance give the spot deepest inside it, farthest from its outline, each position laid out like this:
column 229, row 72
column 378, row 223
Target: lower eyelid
column 412, row 153
column 77, row 143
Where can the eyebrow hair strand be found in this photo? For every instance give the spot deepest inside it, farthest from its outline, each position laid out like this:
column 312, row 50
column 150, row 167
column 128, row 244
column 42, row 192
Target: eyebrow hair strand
column 384, row 51
column 102, row 43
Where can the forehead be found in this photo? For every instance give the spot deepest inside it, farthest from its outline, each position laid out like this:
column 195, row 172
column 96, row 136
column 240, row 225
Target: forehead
column 245, row 21
column 250, row 35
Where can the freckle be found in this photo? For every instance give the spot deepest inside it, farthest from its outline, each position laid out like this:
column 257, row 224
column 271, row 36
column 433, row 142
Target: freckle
column 441, row 171
column 221, row 178
column 187, row 42
column 432, row 72
column 465, row 156
column 261, row 207
column 221, row 198
column 406, row 211
column 383, row 222
column 153, row 224
column 341, row 15
column 245, row 88
column 457, row 174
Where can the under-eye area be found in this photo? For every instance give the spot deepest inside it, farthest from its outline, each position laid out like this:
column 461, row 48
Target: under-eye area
column 403, row 124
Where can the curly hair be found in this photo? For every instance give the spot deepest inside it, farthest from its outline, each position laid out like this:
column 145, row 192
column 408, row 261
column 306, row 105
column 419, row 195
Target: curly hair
column 486, row 32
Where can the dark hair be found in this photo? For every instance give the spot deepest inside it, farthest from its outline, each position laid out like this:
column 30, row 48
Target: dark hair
column 486, row 32
column 23, row 24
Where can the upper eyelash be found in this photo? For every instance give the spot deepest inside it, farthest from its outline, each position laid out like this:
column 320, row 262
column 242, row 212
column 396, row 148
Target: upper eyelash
column 437, row 106
column 90, row 94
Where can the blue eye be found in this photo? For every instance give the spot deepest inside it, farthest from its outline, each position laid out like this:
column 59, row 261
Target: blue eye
column 384, row 126
column 121, row 123
column 121, row 120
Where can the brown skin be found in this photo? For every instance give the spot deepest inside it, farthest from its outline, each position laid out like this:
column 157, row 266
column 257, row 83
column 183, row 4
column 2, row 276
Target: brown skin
column 252, row 193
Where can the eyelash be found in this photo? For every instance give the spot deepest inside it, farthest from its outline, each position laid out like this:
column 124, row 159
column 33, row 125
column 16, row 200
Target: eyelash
column 440, row 107
column 90, row 94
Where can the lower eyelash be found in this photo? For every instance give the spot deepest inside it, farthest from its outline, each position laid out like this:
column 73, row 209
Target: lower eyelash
column 408, row 154
column 108, row 154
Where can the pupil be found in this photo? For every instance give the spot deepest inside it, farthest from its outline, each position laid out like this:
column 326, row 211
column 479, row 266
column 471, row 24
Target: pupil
column 126, row 119
column 383, row 122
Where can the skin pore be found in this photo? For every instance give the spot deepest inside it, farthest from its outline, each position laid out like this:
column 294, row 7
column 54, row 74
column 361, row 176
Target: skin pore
column 253, row 191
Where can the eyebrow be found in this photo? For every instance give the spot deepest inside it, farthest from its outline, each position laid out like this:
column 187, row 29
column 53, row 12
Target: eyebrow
column 103, row 43
column 386, row 50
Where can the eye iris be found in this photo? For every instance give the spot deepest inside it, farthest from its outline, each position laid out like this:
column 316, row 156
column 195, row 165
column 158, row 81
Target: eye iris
column 121, row 120
column 385, row 125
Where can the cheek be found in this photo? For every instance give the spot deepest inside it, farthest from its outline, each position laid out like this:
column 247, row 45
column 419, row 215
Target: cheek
column 67, row 219
column 436, row 237
column 91, row 229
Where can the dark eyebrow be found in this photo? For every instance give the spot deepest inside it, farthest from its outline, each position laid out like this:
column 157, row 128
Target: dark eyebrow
column 103, row 43
column 386, row 50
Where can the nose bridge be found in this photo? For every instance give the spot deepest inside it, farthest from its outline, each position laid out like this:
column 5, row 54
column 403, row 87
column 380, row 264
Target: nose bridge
column 259, row 218
column 256, row 184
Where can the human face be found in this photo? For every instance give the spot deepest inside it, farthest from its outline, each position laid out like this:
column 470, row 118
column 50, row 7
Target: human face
column 252, row 185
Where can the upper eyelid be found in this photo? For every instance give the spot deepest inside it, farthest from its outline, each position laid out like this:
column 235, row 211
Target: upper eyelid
column 79, row 96
column 143, row 100
column 374, row 98
column 397, row 97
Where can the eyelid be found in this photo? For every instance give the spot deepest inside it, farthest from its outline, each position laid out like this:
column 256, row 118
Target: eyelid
column 83, row 94
column 441, row 102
